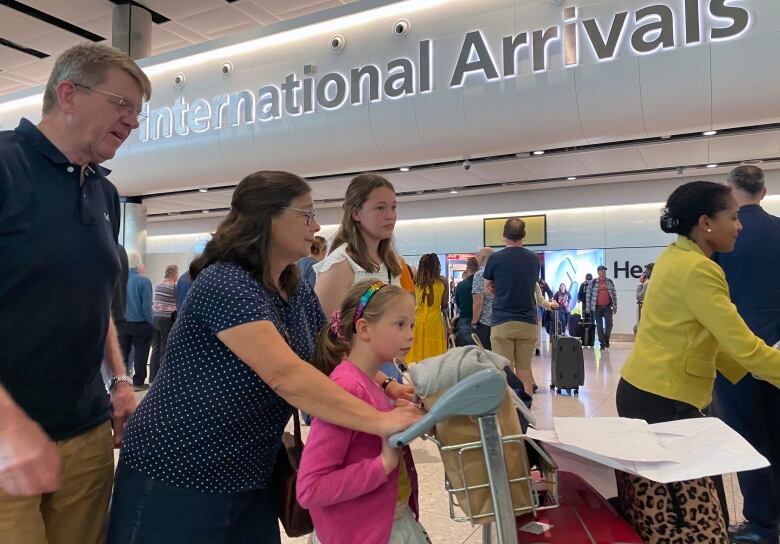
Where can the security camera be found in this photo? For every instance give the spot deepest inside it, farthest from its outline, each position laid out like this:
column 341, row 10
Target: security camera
column 401, row 27
column 178, row 80
column 467, row 165
column 226, row 69
column 337, row 43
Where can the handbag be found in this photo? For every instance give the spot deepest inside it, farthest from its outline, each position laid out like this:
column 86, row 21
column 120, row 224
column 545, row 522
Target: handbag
column 295, row 519
column 688, row 511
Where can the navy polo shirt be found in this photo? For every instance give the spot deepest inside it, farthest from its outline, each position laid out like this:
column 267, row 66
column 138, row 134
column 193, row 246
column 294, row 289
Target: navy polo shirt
column 58, row 268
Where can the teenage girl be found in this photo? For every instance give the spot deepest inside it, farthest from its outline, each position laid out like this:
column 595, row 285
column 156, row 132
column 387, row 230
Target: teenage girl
column 357, row 488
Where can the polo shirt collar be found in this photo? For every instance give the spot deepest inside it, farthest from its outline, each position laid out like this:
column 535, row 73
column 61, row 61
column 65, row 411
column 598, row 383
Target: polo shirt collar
column 41, row 143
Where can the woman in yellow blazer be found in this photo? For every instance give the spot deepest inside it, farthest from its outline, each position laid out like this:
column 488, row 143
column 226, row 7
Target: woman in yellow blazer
column 690, row 328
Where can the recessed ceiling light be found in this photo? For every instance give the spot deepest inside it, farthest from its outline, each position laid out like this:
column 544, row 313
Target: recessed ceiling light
column 712, row 166
column 572, row 178
column 404, row 169
column 540, row 152
column 203, row 190
column 709, row 133
column 206, row 211
column 453, row 192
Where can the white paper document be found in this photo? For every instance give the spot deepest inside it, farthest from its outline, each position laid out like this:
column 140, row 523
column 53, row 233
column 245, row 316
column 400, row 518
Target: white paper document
column 700, row 447
column 616, row 437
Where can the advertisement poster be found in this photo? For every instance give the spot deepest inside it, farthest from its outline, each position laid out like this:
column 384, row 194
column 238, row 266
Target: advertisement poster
column 569, row 267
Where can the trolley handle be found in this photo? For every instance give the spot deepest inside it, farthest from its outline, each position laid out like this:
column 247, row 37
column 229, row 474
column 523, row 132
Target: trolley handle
column 477, row 395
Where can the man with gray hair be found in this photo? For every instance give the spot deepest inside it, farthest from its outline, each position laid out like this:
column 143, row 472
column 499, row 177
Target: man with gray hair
column 751, row 405
column 59, row 222
column 482, row 302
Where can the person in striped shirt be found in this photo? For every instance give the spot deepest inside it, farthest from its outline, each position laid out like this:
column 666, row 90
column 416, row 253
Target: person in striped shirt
column 163, row 306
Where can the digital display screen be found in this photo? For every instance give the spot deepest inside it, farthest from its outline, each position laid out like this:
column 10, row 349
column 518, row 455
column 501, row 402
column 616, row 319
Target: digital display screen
column 569, row 267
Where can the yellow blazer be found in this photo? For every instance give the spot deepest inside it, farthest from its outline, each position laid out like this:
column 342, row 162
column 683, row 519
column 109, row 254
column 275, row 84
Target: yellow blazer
column 690, row 329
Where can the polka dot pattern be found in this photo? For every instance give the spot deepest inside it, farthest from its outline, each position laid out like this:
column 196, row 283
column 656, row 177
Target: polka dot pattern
column 209, row 422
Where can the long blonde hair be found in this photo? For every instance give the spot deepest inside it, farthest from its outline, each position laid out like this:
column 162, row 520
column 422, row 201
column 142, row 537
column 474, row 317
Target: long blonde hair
column 359, row 190
column 335, row 339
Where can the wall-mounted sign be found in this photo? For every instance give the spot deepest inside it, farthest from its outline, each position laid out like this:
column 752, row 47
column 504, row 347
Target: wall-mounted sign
column 648, row 30
column 535, row 230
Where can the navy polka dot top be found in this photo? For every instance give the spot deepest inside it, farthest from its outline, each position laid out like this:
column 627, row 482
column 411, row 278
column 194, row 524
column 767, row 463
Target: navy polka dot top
column 209, row 422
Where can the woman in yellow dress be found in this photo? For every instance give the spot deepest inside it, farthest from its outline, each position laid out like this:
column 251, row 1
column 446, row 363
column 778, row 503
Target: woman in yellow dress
column 431, row 298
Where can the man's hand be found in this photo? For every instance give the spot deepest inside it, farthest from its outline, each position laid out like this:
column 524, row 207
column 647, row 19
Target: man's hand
column 396, row 391
column 123, row 403
column 553, row 305
column 29, row 461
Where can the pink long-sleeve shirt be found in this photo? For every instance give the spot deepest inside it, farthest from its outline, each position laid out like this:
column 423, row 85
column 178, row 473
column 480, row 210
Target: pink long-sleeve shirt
column 341, row 479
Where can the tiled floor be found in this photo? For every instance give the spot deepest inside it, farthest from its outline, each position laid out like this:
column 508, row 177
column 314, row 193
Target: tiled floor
column 596, row 399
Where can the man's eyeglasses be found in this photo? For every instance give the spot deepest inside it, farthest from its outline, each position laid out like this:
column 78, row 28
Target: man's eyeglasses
column 310, row 214
column 123, row 104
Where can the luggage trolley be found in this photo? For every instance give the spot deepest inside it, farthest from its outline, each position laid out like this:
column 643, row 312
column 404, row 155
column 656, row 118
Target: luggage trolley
column 480, row 395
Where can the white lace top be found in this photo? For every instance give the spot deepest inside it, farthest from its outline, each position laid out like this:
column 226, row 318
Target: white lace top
column 340, row 254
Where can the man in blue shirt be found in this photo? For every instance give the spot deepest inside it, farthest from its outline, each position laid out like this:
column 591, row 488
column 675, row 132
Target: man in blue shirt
column 59, row 221
column 139, row 325
column 751, row 406
column 182, row 286
column 510, row 274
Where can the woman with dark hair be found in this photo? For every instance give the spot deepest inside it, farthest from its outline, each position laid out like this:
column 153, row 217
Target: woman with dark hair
column 431, row 299
column 199, row 451
column 690, row 328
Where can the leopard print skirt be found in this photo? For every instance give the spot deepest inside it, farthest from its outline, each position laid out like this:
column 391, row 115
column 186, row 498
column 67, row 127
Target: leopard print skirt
column 677, row 513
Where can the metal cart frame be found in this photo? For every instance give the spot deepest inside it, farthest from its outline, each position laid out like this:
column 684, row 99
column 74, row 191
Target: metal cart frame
column 480, row 395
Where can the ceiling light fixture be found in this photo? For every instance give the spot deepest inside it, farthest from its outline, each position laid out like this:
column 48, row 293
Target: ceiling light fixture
column 404, row 169
column 203, row 190
column 540, row 152
column 453, row 192
column 712, row 166
column 571, row 178
column 206, row 211
column 709, row 133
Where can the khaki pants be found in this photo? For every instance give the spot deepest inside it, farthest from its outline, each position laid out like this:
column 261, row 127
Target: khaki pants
column 515, row 340
column 74, row 514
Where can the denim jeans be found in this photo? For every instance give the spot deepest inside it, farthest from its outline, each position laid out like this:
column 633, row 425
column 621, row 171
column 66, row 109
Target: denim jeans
column 144, row 510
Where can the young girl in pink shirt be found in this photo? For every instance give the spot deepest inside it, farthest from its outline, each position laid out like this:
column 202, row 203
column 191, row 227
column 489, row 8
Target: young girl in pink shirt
column 357, row 488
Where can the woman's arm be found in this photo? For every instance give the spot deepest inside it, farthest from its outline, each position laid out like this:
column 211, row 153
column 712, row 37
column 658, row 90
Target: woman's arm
column 260, row 346
column 333, row 285
column 707, row 297
column 541, row 301
column 445, row 297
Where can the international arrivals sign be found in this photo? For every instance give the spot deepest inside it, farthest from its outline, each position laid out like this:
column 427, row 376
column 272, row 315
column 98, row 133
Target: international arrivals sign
column 656, row 27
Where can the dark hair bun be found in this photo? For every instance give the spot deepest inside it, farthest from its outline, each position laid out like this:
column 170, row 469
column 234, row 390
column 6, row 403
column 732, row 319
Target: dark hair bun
column 669, row 224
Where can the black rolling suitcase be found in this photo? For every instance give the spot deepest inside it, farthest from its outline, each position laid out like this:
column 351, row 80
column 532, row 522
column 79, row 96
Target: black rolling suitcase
column 568, row 364
column 588, row 336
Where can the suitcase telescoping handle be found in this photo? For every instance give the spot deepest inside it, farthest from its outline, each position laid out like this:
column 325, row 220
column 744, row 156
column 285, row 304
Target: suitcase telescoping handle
column 477, row 395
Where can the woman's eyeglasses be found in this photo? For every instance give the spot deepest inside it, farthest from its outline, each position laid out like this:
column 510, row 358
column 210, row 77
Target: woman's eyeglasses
column 310, row 214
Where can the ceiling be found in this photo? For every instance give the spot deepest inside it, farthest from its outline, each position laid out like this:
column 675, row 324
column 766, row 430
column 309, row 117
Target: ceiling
column 34, row 32
column 48, row 27
column 686, row 157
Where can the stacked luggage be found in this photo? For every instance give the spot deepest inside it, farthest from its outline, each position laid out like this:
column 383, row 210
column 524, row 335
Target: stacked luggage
column 568, row 364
